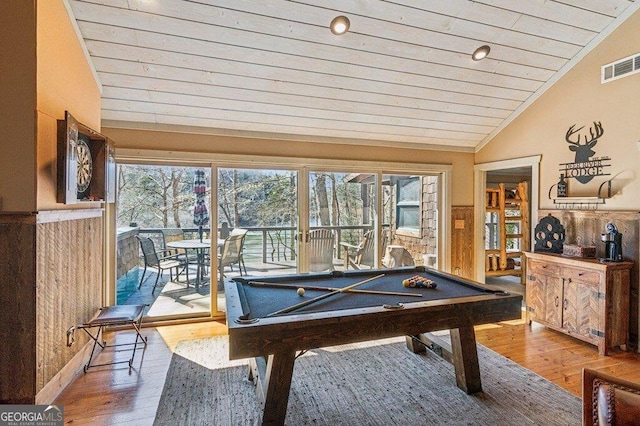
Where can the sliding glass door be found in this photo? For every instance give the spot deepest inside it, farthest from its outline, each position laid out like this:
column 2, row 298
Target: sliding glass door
column 262, row 205
column 207, row 223
column 164, row 239
column 343, row 231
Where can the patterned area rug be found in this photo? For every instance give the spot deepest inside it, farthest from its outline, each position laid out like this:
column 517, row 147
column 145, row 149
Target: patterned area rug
column 372, row 383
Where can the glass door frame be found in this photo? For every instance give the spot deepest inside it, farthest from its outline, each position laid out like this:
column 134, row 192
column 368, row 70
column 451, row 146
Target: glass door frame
column 303, row 166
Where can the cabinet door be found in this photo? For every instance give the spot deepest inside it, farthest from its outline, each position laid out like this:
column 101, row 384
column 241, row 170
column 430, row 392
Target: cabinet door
column 553, row 300
column 535, row 297
column 580, row 308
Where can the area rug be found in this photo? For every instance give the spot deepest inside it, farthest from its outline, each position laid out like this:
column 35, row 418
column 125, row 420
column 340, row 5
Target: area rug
column 372, row 383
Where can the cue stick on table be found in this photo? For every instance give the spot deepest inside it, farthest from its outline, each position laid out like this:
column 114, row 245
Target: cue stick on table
column 322, row 296
column 320, row 288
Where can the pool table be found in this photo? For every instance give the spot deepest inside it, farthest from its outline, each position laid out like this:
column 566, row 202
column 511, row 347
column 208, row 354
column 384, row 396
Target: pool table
column 271, row 340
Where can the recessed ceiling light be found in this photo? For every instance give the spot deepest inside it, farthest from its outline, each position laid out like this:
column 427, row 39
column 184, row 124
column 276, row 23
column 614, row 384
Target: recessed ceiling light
column 339, row 25
column 481, row 53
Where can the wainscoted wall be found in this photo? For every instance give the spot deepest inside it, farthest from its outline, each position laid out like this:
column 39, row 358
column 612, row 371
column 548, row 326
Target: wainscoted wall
column 585, row 228
column 51, row 279
column 17, row 316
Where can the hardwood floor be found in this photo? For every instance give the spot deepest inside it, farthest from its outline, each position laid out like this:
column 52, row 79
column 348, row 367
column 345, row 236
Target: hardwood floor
column 112, row 395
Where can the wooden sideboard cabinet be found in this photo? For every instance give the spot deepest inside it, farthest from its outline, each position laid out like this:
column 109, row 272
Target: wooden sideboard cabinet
column 584, row 298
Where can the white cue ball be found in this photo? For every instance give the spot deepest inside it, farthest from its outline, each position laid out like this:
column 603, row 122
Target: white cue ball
column 301, row 291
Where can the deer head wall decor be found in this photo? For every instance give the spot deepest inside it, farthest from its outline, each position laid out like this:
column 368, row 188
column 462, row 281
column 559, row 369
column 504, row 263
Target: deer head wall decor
column 583, row 152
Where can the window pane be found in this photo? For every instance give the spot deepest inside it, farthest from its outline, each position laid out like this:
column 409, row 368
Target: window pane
column 409, row 190
column 408, row 217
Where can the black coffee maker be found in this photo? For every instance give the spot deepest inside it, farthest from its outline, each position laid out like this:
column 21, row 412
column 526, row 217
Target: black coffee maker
column 612, row 244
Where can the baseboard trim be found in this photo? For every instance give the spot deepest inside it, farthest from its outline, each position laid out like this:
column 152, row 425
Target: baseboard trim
column 64, row 377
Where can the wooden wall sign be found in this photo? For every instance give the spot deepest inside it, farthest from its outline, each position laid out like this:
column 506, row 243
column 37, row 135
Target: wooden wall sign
column 585, row 166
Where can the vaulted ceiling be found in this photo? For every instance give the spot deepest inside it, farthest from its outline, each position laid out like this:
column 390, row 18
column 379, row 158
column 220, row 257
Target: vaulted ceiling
column 402, row 75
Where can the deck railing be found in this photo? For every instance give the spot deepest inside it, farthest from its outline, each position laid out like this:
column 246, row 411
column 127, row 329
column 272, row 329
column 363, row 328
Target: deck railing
column 269, row 244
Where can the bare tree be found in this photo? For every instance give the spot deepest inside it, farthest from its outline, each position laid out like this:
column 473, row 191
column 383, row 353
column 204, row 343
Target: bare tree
column 322, row 199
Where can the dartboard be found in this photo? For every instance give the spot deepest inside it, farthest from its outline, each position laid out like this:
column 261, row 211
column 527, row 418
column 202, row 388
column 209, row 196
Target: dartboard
column 85, row 166
column 549, row 235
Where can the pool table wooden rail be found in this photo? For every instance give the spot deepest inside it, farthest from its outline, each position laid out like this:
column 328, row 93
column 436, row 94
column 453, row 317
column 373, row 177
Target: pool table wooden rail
column 321, row 329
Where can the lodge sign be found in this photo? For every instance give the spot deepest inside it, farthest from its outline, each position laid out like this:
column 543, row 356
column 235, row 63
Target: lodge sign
column 585, row 167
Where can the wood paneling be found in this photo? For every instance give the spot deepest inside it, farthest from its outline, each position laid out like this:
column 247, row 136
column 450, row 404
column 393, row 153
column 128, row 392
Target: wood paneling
column 51, row 277
column 462, row 241
column 402, row 74
column 18, row 315
column 68, row 286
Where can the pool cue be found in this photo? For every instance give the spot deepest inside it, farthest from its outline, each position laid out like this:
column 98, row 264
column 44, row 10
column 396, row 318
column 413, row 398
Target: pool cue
column 322, row 296
column 320, row 288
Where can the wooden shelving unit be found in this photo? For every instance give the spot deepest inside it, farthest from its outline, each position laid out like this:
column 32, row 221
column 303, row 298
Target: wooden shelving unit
column 511, row 206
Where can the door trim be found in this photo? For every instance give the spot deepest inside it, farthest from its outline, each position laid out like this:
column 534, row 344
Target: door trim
column 480, row 184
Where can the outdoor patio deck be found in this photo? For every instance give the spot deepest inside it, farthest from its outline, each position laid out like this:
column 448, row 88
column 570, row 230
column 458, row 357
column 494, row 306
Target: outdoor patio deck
column 175, row 298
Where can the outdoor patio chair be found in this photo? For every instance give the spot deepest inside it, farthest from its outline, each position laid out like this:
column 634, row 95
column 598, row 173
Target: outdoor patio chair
column 321, row 243
column 159, row 260
column 231, row 252
column 176, row 234
column 360, row 255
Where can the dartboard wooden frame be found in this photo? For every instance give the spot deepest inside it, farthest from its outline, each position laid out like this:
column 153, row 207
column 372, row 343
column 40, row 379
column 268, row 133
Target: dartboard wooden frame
column 86, row 164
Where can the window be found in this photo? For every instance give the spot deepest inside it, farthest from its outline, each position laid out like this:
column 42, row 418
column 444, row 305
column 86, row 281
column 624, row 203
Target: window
column 408, row 205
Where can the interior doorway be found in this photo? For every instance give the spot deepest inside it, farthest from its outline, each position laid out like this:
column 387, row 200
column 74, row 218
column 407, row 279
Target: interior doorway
column 492, row 231
column 507, row 227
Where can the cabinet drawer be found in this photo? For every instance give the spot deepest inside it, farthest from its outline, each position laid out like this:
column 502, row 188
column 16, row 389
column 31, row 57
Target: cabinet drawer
column 582, row 275
column 537, row 267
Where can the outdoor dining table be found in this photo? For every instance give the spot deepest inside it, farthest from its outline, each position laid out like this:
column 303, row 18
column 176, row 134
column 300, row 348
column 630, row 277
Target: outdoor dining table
column 200, row 247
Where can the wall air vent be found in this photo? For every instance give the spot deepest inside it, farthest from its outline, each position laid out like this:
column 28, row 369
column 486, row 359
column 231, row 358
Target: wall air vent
column 622, row 68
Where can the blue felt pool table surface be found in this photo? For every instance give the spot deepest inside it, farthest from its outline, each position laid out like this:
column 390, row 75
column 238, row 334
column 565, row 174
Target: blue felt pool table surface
column 261, row 296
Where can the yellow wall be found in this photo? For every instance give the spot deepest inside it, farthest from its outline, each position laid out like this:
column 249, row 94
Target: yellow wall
column 579, row 98
column 64, row 82
column 17, row 105
column 44, row 73
column 462, row 195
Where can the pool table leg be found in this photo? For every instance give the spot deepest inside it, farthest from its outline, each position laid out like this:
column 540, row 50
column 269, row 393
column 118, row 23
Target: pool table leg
column 465, row 359
column 273, row 383
column 462, row 352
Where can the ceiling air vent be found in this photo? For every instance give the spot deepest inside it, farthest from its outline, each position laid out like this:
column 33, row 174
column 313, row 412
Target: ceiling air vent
column 622, row 68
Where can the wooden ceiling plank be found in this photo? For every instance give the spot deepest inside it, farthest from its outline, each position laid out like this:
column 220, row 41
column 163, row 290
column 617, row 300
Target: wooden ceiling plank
column 482, row 74
column 311, row 110
column 612, row 8
column 402, row 22
column 161, row 78
column 505, row 19
column 333, row 59
column 555, row 11
column 344, row 80
column 268, row 131
column 402, row 74
column 210, row 93
column 384, row 93
column 283, row 120
column 281, row 35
